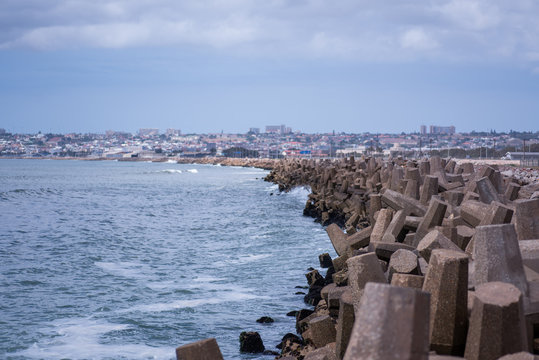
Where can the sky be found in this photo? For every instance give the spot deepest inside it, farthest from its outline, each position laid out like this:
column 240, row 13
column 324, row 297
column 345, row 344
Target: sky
column 228, row 65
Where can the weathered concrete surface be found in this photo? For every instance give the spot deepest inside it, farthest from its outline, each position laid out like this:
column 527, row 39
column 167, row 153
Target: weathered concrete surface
column 497, row 325
column 391, row 323
column 497, row 256
column 201, row 350
column 447, row 283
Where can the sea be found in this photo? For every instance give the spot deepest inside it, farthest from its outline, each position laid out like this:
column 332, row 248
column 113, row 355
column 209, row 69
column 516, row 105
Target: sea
column 129, row 260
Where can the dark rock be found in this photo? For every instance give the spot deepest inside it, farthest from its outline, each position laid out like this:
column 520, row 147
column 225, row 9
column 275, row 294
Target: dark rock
column 292, row 313
column 251, row 342
column 299, row 293
column 265, row 320
column 270, row 352
column 325, row 260
column 291, row 338
column 301, row 287
column 313, row 297
column 329, row 275
column 302, row 314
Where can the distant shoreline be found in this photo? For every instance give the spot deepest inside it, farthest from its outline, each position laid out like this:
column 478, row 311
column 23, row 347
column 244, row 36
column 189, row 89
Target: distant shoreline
column 265, row 164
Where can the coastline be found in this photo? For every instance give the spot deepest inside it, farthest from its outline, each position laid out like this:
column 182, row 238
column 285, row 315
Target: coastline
column 264, row 164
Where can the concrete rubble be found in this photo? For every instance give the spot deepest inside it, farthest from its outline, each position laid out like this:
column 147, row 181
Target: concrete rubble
column 435, row 260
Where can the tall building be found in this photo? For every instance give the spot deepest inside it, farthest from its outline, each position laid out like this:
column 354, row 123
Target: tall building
column 254, row 130
column 448, row 130
column 423, row 130
column 173, row 132
column 148, row 132
column 278, row 129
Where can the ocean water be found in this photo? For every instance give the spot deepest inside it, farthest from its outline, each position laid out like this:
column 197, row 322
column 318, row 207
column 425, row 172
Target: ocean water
column 117, row 260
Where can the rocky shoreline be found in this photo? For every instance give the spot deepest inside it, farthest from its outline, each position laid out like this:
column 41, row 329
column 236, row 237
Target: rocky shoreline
column 436, row 260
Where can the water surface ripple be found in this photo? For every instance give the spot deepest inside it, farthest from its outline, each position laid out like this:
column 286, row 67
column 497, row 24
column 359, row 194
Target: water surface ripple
column 112, row 260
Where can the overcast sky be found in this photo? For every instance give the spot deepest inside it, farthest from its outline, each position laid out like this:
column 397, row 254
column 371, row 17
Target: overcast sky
column 314, row 65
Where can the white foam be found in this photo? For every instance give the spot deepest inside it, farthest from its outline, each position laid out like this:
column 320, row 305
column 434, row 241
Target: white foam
column 125, row 269
column 207, row 279
column 79, row 338
column 182, row 304
column 272, row 188
column 170, row 171
column 193, row 171
column 242, row 259
column 171, row 161
column 300, row 192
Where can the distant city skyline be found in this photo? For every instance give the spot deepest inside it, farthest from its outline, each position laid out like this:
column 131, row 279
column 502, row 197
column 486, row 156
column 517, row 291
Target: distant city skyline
column 317, row 66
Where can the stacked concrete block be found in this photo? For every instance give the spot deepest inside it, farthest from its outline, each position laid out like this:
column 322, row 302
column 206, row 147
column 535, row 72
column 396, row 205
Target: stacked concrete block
column 448, row 229
column 392, row 323
column 201, row 350
column 497, row 325
column 447, row 283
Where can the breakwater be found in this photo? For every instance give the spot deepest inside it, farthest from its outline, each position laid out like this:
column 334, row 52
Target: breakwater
column 435, row 261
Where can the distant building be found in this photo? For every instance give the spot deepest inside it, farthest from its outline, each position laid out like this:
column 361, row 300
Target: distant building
column 254, row 130
column 173, row 132
column 2, row 131
column 423, row 130
column 148, row 132
column 448, row 130
column 278, row 129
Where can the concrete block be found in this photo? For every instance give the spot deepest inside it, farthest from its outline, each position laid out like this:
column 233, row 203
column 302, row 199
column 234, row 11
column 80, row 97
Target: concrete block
column 395, row 227
column 322, row 331
column 497, row 325
column 429, row 188
column 447, row 283
column 345, row 323
column 435, row 240
column 433, row 217
column 398, row 201
column 392, row 323
column 527, row 219
column 408, row 280
column 201, row 350
column 403, row 262
column 382, row 222
column 487, row 191
column 361, row 270
column 497, row 256
column 338, row 238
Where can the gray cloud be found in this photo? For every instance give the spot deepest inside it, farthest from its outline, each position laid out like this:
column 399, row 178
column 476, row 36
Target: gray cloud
column 370, row 30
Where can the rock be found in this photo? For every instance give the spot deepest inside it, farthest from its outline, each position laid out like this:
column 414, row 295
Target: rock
column 497, row 325
column 291, row 337
column 325, row 260
column 447, row 283
column 265, row 320
column 201, row 350
column 395, row 227
column 292, row 313
column 251, row 342
column 391, row 323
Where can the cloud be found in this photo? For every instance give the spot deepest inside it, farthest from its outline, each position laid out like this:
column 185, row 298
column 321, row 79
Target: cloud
column 417, row 39
column 368, row 30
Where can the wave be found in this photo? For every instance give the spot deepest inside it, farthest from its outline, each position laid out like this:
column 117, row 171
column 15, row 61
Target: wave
column 80, row 338
column 231, row 296
column 193, row 171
